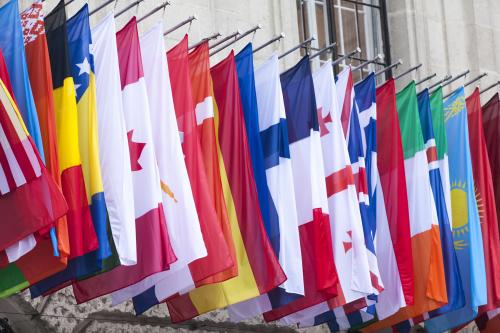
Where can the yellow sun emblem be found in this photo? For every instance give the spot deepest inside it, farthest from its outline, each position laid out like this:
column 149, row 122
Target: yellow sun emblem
column 454, row 108
column 459, row 213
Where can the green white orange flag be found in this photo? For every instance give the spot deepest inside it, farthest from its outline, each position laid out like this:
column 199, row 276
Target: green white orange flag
column 429, row 278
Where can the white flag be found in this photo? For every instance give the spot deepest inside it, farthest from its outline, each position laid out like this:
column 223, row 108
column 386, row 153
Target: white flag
column 113, row 144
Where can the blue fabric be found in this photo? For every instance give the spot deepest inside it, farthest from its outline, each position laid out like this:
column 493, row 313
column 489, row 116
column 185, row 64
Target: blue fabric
column 454, row 290
column 12, row 45
column 246, row 82
column 466, row 229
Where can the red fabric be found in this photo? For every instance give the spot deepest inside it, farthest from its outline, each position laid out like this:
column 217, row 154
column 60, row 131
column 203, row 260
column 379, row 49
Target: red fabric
column 130, row 57
column 339, row 181
column 219, row 258
column 235, row 152
column 346, row 108
column 485, row 197
column 149, row 260
column 491, row 124
column 82, row 236
column 390, row 162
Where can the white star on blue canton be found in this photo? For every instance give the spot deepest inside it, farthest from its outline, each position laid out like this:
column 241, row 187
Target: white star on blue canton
column 77, row 86
column 84, row 67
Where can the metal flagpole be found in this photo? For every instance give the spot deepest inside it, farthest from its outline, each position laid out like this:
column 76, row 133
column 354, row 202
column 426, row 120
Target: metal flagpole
column 477, row 78
column 345, row 56
column 209, row 38
column 303, row 44
column 394, row 65
column 490, row 87
column 246, row 33
column 132, row 5
column 427, row 78
column 464, row 74
column 323, row 50
column 446, row 78
column 101, row 7
column 377, row 58
column 414, row 68
column 162, row 6
column 225, row 39
column 269, row 42
column 186, row 21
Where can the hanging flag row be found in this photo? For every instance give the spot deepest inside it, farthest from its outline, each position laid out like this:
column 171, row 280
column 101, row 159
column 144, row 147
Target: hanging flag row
column 152, row 176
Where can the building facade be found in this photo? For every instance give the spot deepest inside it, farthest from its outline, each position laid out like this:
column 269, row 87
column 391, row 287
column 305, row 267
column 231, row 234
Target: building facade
column 445, row 36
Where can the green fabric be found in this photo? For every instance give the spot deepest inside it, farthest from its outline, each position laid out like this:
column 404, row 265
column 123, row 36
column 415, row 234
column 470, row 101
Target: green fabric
column 409, row 121
column 12, row 280
column 438, row 123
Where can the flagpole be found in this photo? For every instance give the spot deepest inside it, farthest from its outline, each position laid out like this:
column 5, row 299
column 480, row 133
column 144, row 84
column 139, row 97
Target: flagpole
column 345, row 56
column 323, row 50
column 490, row 87
column 477, row 78
column 186, row 21
column 374, row 60
column 446, row 78
column 133, row 4
column 101, row 7
column 427, row 78
column 246, row 33
column 225, row 39
column 209, row 38
column 414, row 68
column 154, row 10
column 304, row 43
column 272, row 40
column 394, row 65
column 456, row 78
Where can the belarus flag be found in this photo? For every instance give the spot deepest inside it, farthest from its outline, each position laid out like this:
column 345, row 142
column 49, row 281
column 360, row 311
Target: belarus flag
column 320, row 276
column 178, row 202
column 154, row 252
column 258, row 269
column 271, row 121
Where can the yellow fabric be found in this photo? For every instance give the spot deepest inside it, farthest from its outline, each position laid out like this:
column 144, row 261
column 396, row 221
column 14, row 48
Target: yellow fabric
column 241, row 287
column 67, row 125
column 13, row 112
column 88, row 140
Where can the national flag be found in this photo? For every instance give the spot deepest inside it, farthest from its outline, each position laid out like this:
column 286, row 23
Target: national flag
column 346, row 227
column 392, row 239
column 258, row 268
column 12, row 45
column 356, row 145
column 485, row 197
column 466, row 231
column 82, row 68
column 154, row 252
column 114, row 153
column 271, row 122
column 178, row 202
column 320, row 275
column 430, row 284
column 29, row 198
column 38, row 62
column 82, row 235
column 491, row 125
column 197, row 135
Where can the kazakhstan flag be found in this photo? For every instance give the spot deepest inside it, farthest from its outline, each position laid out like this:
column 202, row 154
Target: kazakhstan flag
column 465, row 217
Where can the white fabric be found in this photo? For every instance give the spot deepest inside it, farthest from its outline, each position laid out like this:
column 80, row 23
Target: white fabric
column 113, row 144
column 281, row 187
column 19, row 249
column 179, row 207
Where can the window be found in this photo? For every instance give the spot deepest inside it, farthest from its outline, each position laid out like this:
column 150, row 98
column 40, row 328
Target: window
column 350, row 24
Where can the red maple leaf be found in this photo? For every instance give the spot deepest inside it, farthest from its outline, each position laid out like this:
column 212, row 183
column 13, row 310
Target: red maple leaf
column 135, row 149
column 322, row 122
